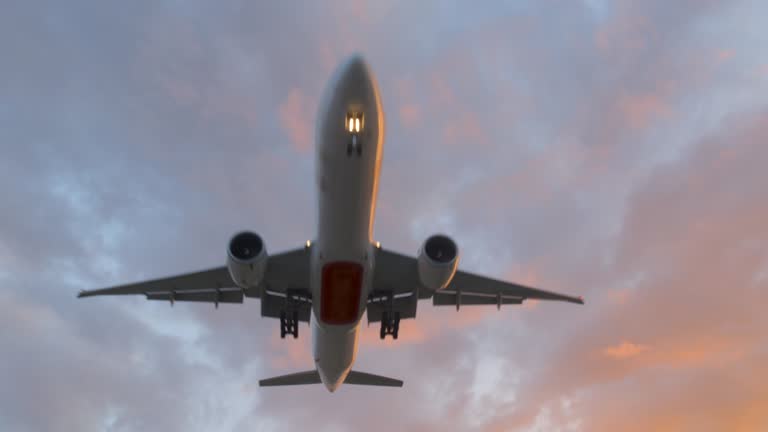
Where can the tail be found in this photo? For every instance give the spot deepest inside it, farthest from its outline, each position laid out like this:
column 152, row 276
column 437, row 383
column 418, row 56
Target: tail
column 312, row 377
column 362, row 378
column 301, row 378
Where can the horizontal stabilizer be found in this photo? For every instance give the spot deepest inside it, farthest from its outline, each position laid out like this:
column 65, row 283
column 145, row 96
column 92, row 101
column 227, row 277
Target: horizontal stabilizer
column 312, row 377
column 300, row 378
column 362, row 378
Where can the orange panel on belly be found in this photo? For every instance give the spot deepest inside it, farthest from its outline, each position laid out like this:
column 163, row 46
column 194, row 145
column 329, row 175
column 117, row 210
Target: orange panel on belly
column 342, row 283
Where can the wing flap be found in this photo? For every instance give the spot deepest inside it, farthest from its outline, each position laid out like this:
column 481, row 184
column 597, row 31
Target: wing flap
column 210, row 296
column 452, row 298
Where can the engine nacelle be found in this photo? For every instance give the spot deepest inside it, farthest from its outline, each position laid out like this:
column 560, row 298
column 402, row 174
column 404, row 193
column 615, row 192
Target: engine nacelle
column 437, row 262
column 246, row 259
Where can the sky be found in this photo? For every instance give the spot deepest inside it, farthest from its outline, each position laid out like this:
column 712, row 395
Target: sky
column 610, row 149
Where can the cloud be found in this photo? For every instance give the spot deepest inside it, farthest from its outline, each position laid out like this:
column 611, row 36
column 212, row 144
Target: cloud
column 677, row 222
column 295, row 118
column 625, row 350
column 640, row 110
column 410, row 115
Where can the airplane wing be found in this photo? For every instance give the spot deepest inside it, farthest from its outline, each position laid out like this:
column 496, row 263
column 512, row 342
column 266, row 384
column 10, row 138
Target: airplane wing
column 285, row 281
column 396, row 279
column 471, row 289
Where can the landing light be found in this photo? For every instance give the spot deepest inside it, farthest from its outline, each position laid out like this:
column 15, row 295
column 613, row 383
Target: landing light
column 354, row 122
column 309, row 243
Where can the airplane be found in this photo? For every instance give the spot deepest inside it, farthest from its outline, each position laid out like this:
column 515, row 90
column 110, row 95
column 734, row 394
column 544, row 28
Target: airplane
column 334, row 279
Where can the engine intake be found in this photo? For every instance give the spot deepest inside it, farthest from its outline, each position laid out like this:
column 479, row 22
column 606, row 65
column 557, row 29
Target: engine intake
column 437, row 262
column 246, row 259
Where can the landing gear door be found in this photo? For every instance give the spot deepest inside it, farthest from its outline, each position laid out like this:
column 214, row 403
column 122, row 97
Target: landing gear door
column 274, row 305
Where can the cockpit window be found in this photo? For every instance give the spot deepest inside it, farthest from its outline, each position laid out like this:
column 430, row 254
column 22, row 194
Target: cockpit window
column 354, row 122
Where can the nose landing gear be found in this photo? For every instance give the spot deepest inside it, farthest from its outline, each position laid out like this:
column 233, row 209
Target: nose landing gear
column 354, row 145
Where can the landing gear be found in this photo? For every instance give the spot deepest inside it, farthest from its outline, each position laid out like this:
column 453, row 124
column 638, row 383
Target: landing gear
column 289, row 324
column 390, row 324
column 354, row 146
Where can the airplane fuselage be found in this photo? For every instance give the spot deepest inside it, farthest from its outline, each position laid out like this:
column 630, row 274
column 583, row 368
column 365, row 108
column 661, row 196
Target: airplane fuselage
column 349, row 140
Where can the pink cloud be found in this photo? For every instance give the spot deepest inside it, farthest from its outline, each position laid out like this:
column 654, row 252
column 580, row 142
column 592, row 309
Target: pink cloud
column 697, row 232
column 724, row 55
column 290, row 354
column 467, row 129
column 626, row 33
column 625, row 350
column 442, row 93
column 430, row 323
column 621, row 296
column 410, row 115
column 296, row 119
column 639, row 110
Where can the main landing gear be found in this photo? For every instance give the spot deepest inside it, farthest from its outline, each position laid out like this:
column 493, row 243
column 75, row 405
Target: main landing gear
column 390, row 324
column 289, row 324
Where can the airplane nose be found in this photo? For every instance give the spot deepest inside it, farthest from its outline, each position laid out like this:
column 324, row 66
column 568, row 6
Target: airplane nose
column 355, row 79
column 355, row 70
column 352, row 93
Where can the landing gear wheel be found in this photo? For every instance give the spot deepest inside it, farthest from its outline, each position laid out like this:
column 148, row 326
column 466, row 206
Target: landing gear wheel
column 396, row 326
column 289, row 325
column 384, row 325
column 390, row 324
column 295, row 325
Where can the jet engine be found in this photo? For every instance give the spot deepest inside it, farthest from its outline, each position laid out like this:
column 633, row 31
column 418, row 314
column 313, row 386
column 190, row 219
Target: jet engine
column 437, row 262
column 246, row 259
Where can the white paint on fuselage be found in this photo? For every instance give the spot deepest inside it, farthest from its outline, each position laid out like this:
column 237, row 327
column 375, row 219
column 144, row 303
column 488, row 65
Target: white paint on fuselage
column 347, row 186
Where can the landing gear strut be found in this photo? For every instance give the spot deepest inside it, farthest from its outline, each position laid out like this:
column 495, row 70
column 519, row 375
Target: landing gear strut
column 390, row 324
column 354, row 145
column 289, row 324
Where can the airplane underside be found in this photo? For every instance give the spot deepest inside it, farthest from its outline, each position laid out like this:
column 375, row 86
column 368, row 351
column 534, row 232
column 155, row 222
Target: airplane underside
column 342, row 274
